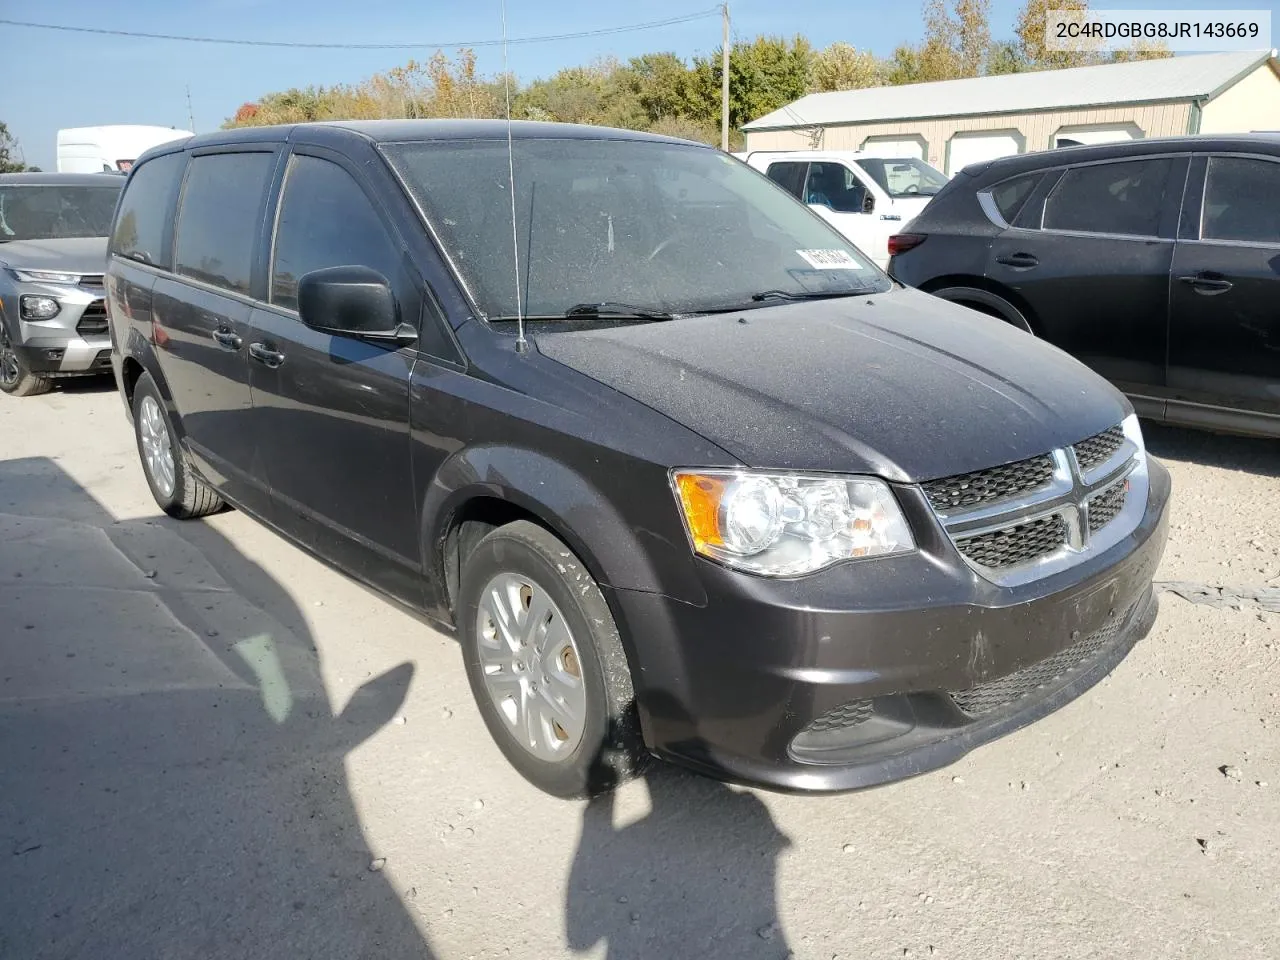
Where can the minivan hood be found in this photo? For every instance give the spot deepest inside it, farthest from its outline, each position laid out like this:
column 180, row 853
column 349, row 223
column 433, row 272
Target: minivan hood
column 902, row 385
column 67, row 255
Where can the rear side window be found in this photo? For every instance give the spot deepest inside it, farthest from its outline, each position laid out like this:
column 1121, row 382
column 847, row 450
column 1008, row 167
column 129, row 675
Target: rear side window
column 325, row 221
column 144, row 224
column 789, row 175
column 1240, row 201
column 1124, row 198
column 1010, row 196
column 220, row 216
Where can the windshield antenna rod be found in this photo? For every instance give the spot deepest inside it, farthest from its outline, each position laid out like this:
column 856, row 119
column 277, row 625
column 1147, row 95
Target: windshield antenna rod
column 522, row 345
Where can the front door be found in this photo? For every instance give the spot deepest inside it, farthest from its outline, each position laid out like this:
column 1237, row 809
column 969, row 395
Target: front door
column 201, row 317
column 1089, row 255
column 1224, row 337
column 837, row 195
column 333, row 411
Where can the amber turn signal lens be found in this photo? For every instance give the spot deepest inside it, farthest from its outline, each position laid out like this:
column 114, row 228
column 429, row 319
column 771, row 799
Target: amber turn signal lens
column 701, row 497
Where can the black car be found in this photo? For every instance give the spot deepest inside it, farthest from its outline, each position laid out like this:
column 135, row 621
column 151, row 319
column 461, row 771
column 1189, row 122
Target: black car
column 1156, row 262
column 688, row 476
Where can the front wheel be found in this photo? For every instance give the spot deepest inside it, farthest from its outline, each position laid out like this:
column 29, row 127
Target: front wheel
column 177, row 489
column 15, row 379
column 546, row 665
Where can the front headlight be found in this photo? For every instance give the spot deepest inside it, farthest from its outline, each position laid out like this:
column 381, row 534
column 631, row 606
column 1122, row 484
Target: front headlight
column 33, row 307
column 1133, row 432
column 45, row 276
column 786, row 524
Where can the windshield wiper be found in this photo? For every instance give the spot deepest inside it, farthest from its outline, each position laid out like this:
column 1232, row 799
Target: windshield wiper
column 614, row 308
column 806, row 295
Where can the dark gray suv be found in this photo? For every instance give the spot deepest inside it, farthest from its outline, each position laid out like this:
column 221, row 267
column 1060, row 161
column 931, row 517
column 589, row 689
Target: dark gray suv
column 1155, row 262
column 684, row 472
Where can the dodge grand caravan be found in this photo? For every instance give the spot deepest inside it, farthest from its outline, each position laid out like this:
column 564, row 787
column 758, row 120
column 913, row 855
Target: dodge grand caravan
column 686, row 474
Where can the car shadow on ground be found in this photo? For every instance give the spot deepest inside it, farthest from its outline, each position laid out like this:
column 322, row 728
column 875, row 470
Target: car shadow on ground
column 173, row 771
column 1247, row 454
column 93, row 384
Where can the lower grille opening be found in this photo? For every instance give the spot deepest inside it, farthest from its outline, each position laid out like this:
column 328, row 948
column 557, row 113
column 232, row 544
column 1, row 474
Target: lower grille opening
column 93, row 322
column 1015, row 545
column 846, row 715
column 997, row 694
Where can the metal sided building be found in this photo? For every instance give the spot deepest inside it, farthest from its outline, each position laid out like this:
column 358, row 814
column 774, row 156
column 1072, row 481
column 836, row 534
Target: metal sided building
column 957, row 122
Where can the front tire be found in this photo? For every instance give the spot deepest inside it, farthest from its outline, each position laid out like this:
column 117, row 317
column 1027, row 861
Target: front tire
column 546, row 664
column 15, row 379
column 177, row 489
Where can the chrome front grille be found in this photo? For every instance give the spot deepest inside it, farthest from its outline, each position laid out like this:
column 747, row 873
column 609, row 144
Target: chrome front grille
column 989, row 486
column 1107, row 505
column 1024, row 520
column 1011, row 546
column 1098, row 449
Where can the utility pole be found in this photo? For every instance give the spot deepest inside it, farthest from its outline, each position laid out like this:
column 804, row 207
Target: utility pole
column 191, row 117
column 724, row 81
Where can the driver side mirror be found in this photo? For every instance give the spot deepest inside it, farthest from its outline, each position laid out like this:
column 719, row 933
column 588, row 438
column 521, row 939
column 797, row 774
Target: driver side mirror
column 868, row 203
column 352, row 302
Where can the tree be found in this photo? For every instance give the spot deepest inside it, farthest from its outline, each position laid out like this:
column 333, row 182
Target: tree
column 973, row 35
column 1005, row 57
column 843, row 67
column 764, row 75
column 905, row 66
column 8, row 148
column 956, row 44
column 1033, row 21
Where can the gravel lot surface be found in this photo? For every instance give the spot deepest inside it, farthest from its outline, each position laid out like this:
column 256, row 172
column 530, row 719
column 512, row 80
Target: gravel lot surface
column 212, row 745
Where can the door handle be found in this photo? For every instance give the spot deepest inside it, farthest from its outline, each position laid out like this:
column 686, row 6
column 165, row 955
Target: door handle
column 1021, row 261
column 265, row 355
column 1207, row 283
column 228, row 339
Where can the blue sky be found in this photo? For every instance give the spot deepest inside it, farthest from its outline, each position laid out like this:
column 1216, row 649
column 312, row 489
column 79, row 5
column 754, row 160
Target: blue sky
column 53, row 80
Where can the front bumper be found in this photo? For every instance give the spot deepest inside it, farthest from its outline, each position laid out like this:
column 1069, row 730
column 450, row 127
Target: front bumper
column 76, row 341
column 878, row 670
column 64, row 356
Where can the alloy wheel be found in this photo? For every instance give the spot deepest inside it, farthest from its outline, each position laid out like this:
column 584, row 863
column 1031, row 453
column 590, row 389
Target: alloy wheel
column 9, row 369
column 531, row 667
column 157, row 450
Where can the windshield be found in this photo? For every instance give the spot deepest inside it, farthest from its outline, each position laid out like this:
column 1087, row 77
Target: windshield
column 907, row 177
column 49, row 212
column 663, row 227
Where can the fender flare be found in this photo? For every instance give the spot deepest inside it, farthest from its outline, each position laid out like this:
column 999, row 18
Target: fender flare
column 568, row 503
column 1005, row 310
column 140, row 350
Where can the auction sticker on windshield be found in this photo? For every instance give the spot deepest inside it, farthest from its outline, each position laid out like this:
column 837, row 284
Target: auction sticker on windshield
column 830, row 259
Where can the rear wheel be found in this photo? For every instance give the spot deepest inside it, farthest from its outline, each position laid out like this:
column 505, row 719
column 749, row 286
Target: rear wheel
column 15, row 378
column 177, row 489
column 546, row 665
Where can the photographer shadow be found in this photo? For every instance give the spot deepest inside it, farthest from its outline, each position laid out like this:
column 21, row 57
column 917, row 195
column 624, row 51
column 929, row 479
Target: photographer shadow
column 696, row 876
column 174, row 779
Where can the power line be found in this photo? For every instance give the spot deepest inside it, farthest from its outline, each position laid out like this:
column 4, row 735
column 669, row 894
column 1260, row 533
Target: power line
column 546, row 38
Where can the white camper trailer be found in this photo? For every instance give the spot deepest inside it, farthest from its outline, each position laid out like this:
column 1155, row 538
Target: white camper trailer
column 111, row 148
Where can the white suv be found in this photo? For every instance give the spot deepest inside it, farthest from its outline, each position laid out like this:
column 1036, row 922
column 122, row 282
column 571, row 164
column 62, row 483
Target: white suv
column 866, row 196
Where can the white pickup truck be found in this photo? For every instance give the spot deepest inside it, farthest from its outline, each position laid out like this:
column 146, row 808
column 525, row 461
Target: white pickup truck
column 865, row 195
